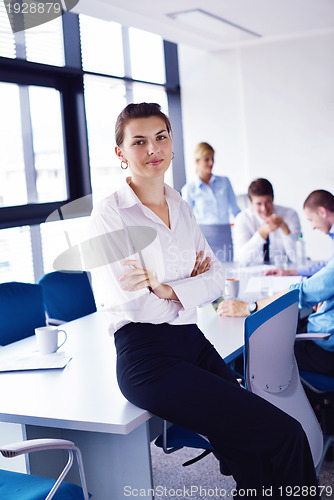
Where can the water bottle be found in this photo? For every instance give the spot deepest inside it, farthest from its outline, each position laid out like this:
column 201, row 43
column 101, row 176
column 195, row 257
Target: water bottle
column 300, row 250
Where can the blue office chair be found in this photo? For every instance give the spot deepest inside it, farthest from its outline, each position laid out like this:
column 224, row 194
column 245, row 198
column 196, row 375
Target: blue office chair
column 175, row 437
column 67, row 295
column 21, row 311
column 19, row 486
column 271, row 370
column 219, row 237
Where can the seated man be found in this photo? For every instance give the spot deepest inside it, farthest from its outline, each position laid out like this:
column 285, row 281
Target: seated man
column 264, row 230
column 317, row 292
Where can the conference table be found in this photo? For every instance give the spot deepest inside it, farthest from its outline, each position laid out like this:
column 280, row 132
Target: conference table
column 82, row 402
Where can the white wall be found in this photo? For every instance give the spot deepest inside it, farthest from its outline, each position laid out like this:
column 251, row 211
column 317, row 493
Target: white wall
column 268, row 110
column 212, row 111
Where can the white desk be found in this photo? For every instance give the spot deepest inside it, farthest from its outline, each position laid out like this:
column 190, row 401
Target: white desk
column 82, row 402
column 253, row 281
column 226, row 334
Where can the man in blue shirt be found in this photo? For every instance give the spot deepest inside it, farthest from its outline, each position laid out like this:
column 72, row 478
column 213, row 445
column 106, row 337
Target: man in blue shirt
column 317, row 292
column 317, row 217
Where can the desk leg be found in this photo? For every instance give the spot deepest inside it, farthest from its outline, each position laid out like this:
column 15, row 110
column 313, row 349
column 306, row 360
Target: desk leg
column 116, row 466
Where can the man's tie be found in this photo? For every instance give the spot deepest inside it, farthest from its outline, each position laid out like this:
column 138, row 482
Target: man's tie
column 266, row 256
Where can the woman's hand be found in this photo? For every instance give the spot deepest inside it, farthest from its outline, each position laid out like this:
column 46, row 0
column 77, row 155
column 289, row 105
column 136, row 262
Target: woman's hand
column 201, row 266
column 140, row 278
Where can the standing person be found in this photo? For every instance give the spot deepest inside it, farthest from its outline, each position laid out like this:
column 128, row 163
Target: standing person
column 212, row 199
column 164, row 363
column 265, row 229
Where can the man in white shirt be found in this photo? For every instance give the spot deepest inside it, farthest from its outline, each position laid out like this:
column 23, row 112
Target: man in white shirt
column 265, row 230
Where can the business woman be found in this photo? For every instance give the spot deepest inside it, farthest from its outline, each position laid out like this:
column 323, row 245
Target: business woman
column 212, row 199
column 164, row 363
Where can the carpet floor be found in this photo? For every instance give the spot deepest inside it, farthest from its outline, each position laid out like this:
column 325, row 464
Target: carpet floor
column 203, row 480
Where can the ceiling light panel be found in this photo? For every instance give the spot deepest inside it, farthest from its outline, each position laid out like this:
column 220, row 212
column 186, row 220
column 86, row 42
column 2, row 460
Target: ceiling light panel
column 204, row 21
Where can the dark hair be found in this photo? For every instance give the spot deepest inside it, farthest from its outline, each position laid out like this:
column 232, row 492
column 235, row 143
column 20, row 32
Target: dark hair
column 320, row 198
column 260, row 187
column 141, row 110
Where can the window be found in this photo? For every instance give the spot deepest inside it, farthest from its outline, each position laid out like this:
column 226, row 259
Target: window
column 104, row 52
column 41, row 44
column 32, row 153
column 101, row 46
column 16, row 261
column 12, row 173
column 147, row 56
column 150, row 93
column 56, row 237
column 7, row 40
column 104, row 99
column 44, row 43
column 47, row 133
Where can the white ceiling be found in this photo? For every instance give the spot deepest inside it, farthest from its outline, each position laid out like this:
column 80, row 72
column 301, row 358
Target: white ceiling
column 271, row 19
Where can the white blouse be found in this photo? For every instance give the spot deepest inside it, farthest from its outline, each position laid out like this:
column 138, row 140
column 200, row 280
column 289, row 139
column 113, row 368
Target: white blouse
column 170, row 254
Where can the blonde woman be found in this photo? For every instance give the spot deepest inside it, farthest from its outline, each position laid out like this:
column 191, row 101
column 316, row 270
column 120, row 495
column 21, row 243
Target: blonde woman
column 212, row 200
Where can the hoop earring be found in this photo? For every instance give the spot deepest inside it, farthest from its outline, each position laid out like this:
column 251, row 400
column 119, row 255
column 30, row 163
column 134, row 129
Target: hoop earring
column 126, row 165
column 173, row 155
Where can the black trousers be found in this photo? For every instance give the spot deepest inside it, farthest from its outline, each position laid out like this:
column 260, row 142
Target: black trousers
column 312, row 358
column 174, row 372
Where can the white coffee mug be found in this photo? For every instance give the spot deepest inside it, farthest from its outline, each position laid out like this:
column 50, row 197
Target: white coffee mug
column 47, row 339
column 231, row 288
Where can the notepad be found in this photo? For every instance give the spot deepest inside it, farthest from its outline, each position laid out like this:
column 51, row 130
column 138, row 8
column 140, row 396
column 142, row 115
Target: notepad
column 34, row 361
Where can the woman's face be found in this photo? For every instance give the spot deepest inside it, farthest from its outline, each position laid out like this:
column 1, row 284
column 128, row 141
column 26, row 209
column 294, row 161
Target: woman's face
column 147, row 147
column 205, row 164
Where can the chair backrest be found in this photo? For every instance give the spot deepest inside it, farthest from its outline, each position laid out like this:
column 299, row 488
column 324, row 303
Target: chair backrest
column 242, row 201
column 67, row 295
column 270, row 367
column 21, row 311
column 220, row 240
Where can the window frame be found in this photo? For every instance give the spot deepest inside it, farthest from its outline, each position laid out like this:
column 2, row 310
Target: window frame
column 68, row 80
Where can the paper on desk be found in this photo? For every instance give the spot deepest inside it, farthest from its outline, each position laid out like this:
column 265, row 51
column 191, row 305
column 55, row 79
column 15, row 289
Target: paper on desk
column 33, row 361
column 273, row 284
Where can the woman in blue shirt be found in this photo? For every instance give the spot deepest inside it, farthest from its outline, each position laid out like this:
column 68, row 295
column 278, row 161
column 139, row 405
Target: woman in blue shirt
column 212, row 199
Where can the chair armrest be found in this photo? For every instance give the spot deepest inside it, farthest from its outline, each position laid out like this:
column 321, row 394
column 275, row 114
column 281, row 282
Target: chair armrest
column 22, row 447
column 312, row 336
